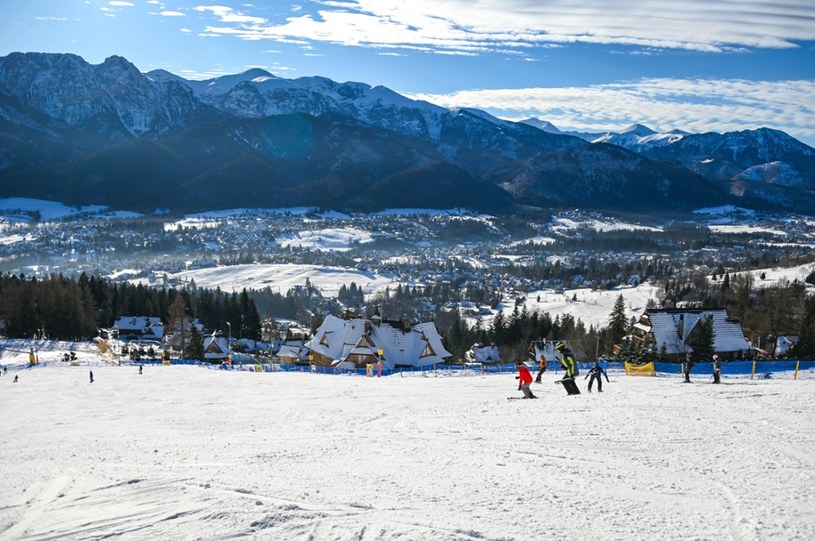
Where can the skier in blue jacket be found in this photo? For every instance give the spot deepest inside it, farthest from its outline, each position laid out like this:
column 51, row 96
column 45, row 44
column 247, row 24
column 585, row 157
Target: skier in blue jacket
column 596, row 372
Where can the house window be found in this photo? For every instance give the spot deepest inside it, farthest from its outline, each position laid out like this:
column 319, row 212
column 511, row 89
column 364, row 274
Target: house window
column 324, row 340
column 427, row 351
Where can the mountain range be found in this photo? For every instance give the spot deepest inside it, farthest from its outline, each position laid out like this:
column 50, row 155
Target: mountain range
column 110, row 134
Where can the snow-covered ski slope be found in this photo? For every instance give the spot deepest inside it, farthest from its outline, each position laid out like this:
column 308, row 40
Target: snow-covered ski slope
column 186, row 452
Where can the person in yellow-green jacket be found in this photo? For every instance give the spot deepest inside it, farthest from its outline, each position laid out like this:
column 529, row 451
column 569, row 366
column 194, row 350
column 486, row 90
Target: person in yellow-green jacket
column 570, row 366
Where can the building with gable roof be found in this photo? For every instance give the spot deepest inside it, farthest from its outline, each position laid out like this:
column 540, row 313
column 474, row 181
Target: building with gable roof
column 292, row 352
column 484, row 354
column 359, row 341
column 139, row 328
column 675, row 331
column 216, row 348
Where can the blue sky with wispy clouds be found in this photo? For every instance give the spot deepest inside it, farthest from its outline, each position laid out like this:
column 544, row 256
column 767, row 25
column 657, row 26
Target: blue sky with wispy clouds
column 593, row 65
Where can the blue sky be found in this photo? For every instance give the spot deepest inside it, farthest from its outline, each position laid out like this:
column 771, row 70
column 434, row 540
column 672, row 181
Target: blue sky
column 594, row 65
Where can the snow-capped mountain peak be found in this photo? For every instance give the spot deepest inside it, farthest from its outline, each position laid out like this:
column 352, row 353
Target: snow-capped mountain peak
column 638, row 130
column 544, row 125
column 638, row 137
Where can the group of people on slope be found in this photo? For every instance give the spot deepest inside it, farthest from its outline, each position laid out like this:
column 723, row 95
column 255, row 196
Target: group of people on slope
column 717, row 369
column 569, row 364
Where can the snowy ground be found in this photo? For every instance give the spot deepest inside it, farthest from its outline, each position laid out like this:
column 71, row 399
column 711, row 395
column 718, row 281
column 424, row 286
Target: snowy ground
column 194, row 453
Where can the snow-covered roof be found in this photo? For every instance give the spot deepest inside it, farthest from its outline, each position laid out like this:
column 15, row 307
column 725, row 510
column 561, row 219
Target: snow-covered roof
column 420, row 345
column 673, row 328
column 336, row 338
column 416, row 345
column 784, row 343
column 485, row 354
column 215, row 347
column 292, row 349
column 136, row 323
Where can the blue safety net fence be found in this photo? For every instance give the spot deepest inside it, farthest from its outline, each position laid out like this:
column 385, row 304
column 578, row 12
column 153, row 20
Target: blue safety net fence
column 763, row 369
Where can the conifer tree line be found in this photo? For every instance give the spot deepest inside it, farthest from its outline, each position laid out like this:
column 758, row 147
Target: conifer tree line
column 62, row 308
column 57, row 307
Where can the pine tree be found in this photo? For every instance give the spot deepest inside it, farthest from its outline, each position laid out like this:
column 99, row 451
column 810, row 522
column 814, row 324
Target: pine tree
column 617, row 322
column 195, row 350
column 703, row 339
column 179, row 324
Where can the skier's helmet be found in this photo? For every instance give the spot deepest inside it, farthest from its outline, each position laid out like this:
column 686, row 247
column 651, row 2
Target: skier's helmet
column 560, row 346
column 715, row 357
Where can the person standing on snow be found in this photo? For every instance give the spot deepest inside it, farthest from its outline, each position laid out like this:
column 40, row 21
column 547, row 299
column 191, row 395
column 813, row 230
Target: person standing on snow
column 570, row 366
column 717, row 369
column 542, row 368
column 597, row 372
column 91, row 376
column 688, row 367
column 524, row 379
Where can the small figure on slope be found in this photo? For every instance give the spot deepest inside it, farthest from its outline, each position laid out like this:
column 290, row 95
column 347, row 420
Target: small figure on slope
column 16, row 377
column 717, row 369
column 570, row 366
column 91, row 376
column 688, row 367
column 524, row 379
column 596, row 373
column 141, row 368
column 542, row 368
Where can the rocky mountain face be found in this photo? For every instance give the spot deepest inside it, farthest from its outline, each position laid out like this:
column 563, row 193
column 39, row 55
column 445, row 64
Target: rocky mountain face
column 760, row 168
column 109, row 134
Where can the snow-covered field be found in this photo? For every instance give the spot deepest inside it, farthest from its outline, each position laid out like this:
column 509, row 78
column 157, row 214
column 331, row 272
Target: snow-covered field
column 186, row 452
column 284, row 276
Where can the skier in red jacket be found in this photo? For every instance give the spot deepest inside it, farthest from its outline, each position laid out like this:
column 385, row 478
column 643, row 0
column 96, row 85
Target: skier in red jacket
column 524, row 379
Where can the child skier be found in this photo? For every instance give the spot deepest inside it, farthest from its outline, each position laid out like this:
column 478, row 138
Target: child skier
column 524, row 379
column 596, row 372
column 542, row 368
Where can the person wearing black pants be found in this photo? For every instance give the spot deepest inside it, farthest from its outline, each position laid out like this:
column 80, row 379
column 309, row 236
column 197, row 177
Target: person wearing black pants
column 717, row 369
column 570, row 366
column 688, row 367
column 596, row 372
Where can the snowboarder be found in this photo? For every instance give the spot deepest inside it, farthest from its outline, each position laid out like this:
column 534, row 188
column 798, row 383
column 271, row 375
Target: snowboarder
column 688, row 367
column 91, row 376
column 570, row 366
column 524, row 379
column 15, row 378
column 717, row 368
column 542, row 368
column 597, row 372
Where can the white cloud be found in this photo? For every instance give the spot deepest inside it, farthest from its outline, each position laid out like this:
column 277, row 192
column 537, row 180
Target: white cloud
column 121, row 4
column 694, row 105
column 170, row 13
column 475, row 26
column 228, row 15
